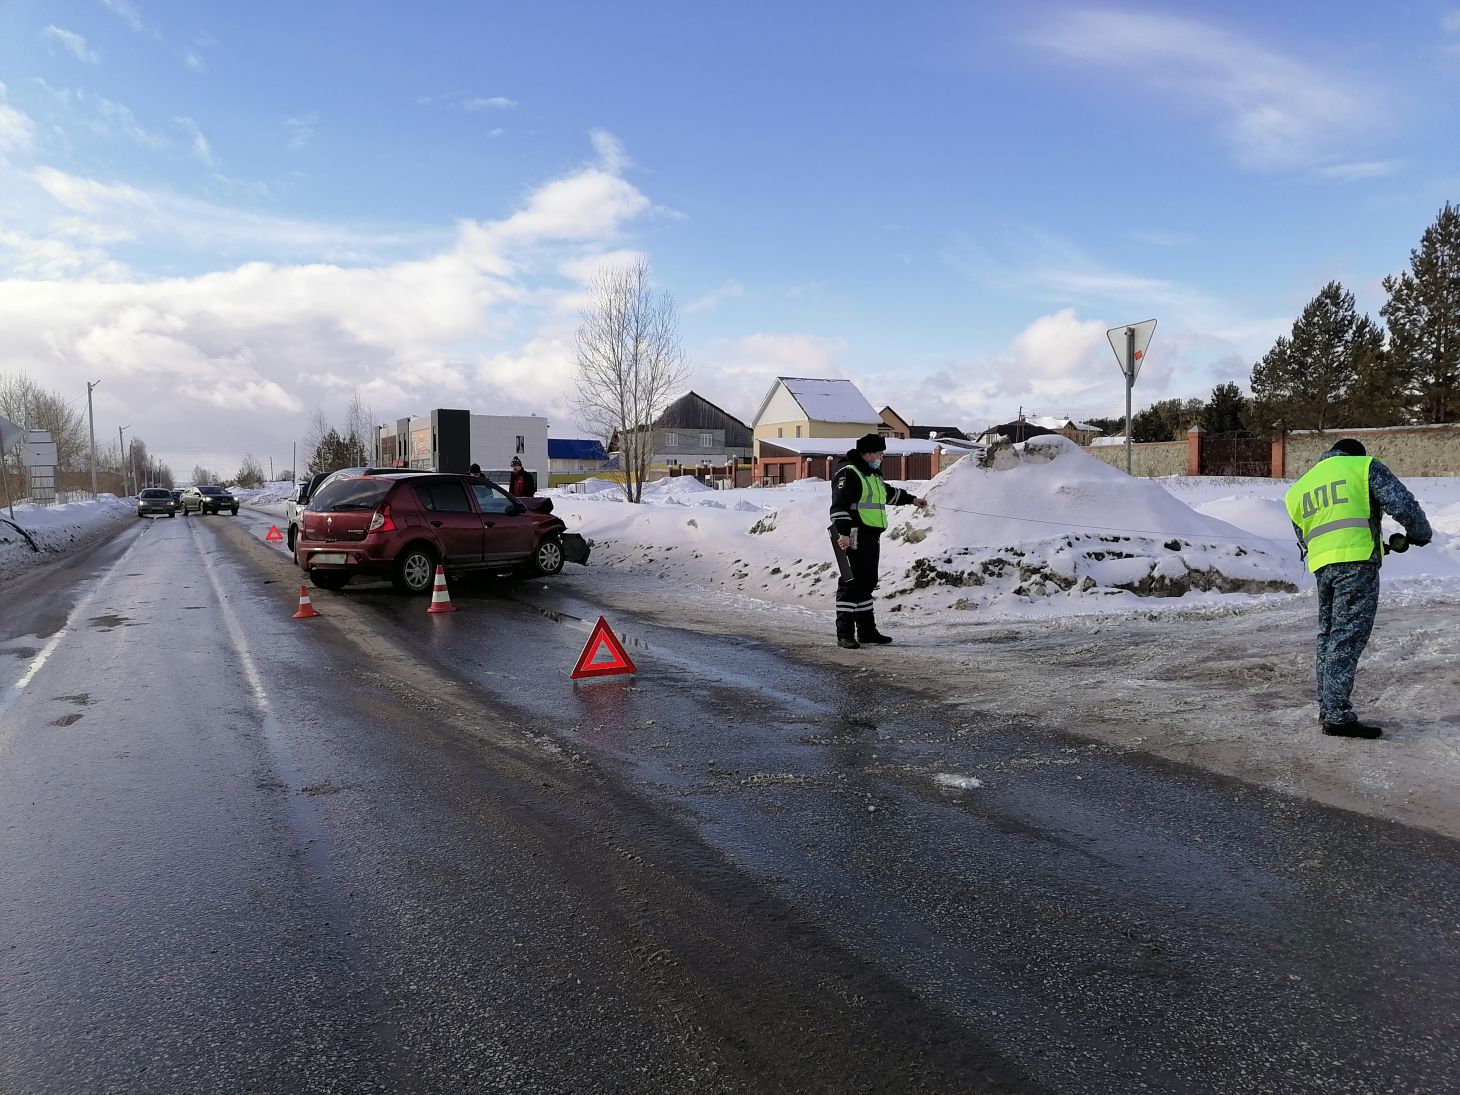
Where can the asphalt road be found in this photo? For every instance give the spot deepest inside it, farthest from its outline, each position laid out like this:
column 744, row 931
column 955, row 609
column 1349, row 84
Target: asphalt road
column 383, row 851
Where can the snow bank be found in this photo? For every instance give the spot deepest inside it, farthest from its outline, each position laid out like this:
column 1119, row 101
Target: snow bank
column 1036, row 529
column 55, row 529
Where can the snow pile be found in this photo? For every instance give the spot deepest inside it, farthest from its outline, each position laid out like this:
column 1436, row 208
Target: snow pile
column 55, row 529
column 1041, row 528
column 675, row 487
column 1045, row 521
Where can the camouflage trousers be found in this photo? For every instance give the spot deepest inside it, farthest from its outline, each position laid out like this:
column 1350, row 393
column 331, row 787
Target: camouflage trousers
column 1348, row 598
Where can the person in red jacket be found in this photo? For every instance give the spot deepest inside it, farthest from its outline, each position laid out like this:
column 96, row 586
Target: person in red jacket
column 523, row 483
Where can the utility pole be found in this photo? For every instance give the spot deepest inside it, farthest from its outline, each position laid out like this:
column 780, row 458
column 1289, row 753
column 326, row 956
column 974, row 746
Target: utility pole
column 271, row 469
column 122, row 449
column 294, row 459
column 91, row 428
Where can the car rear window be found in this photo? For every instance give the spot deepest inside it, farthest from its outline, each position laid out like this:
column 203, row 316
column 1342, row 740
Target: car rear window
column 445, row 496
column 149, row 493
column 348, row 494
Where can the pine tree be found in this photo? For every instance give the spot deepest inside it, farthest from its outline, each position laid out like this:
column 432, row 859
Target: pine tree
column 1225, row 411
column 1308, row 376
column 1423, row 313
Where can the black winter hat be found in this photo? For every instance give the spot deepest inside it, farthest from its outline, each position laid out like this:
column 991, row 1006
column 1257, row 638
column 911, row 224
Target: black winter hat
column 1349, row 447
column 871, row 443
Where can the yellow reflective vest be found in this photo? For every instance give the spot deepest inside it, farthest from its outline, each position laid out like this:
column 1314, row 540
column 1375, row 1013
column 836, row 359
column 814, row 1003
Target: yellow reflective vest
column 1331, row 507
column 871, row 510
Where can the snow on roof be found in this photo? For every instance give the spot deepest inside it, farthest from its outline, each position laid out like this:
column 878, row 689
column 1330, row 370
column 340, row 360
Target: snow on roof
column 1060, row 422
column 830, row 400
column 838, row 446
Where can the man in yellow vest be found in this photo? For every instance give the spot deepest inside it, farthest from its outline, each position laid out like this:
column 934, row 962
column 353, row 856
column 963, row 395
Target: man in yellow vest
column 1336, row 509
column 859, row 501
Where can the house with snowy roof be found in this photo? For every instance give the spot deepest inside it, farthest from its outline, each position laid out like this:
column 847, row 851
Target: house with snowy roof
column 800, row 408
column 897, row 426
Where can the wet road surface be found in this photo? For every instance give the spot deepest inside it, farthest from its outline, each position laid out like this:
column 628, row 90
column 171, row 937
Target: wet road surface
column 403, row 852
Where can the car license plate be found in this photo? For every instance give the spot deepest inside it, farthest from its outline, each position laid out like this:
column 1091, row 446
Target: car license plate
column 329, row 557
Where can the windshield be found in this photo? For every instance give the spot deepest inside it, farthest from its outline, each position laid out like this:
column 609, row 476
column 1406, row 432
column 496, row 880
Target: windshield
column 212, row 490
column 156, row 494
column 350, row 494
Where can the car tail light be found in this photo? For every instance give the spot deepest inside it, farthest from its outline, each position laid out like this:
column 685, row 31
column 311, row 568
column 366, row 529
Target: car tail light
column 380, row 521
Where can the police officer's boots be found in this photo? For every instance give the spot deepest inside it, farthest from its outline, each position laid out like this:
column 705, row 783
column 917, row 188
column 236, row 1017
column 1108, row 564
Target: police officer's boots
column 846, row 631
column 867, row 632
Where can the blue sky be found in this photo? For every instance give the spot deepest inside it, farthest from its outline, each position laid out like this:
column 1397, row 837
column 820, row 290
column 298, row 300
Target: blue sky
column 232, row 213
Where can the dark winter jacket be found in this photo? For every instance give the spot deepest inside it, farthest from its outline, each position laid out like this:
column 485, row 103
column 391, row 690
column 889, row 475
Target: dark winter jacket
column 846, row 492
column 522, row 485
column 1386, row 495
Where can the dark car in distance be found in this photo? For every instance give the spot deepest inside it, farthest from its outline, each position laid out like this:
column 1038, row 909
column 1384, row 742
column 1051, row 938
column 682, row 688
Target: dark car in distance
column 400, row 525
column 208, row 499
column 155, row 500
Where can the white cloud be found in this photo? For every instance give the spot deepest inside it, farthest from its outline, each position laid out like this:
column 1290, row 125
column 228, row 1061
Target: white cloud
column 611, row 155
column 497, row 102
column 72, row 43
column 16, row 128
column 199, row 143
column 1276, row 112
column 128, row 13
column 1450, row 21
column 1352, row 172
column 193, row 61
column 715, row 297
column 116, row 118
column 301, row 131
column 232, row 359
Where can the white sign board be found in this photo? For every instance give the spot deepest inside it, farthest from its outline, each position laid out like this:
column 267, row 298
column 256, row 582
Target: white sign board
column 11, row 434
column 38, row 451
column 1117, row 335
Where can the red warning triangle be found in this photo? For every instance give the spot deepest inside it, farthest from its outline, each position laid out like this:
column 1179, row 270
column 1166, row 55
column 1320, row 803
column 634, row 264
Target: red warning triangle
column 604, row 655
column 274, row 534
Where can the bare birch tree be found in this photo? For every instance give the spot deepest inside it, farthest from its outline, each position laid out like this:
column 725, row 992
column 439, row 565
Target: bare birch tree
column 631, row 364
column 359, row 431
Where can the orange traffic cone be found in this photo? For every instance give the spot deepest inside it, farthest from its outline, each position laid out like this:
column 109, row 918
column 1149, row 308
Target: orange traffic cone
column 306, row 607
column 440, row 599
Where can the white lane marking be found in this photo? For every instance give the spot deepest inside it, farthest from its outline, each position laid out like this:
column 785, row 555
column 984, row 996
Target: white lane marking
column 235, row 634
column 18, row 688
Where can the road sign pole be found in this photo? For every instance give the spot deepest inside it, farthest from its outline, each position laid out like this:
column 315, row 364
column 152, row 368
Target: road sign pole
column 1130, row 372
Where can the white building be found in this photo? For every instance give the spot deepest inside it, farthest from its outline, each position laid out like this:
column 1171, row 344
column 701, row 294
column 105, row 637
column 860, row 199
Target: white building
column 453, row 440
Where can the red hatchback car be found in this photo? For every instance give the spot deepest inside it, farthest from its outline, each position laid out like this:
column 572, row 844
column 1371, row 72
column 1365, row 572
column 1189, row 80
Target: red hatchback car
column 400, row 526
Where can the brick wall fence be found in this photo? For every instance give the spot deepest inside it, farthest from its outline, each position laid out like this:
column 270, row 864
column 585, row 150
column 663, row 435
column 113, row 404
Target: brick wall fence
column 1407, row 450
column 1148, row 459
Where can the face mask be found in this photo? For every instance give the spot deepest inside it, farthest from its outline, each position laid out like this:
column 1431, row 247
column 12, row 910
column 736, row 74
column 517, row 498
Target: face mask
column 874, row 462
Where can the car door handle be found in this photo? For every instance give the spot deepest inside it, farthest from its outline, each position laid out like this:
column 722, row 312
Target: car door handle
column 488, row 524
column 435, row 524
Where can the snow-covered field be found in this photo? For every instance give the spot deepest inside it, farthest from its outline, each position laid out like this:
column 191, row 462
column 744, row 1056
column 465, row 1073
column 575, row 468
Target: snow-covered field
column 1042, row 530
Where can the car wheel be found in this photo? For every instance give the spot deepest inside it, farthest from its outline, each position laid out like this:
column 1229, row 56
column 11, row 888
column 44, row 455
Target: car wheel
column 170, row 516
column 330, row 579
column 548, row 558
column 290, row 537
column 235, row 511
column 415, row 569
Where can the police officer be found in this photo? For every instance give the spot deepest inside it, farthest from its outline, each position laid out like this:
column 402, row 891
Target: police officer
column 859, row 501
column 1336, row 509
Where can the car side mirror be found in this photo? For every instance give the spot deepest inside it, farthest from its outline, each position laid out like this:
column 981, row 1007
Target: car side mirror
column 516, row 509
